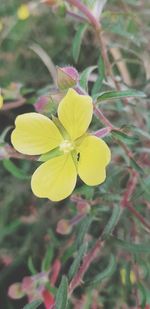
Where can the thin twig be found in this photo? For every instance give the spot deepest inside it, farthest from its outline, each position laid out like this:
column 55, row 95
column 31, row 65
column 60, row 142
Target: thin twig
column 88, row 259
column 13, row 105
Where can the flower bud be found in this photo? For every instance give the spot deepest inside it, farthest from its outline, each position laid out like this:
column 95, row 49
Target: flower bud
column 67, row 77
column 83, row 207
column 15, row 291
column 64, row 227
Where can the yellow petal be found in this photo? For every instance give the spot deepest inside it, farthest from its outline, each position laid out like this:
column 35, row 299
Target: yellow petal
column 1, row 101
column 55, row 179
column 94, row 156
column 75, row 113
column 35, row 134
column 23, row 12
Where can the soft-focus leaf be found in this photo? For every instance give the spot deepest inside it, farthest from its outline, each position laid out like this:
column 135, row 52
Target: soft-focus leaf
column 14, row 170
column 76, row 263
column 84, row 77
column 61, row 296
column 83, row 229
column 134, row 248
column 101, row 73
column 77, row 41
column 116, row 213
column 105, row 274
column 46, row 263
column 34, row 305
column 112, row 95
column 31, row 266
column 129, row 140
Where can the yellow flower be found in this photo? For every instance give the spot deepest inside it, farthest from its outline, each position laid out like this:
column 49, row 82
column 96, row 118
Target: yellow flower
column 1, row 101
column 65, row 146
column 23, row 12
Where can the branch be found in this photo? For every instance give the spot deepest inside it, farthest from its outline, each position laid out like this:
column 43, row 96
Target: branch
column 88, row 259
column 16, row 104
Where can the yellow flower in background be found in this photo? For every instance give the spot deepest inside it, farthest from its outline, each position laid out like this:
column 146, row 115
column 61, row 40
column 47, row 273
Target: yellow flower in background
column 1, row 101
column 123, row 274
column 65, row 146
column 23, row 12
column 1, row 26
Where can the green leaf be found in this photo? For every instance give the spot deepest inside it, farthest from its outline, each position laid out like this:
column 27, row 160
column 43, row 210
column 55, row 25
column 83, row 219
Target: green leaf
column 77, row 41
column 31, row 266
column 83, row 228
column 14, row 170
column 76, row 263
column 34, row 305
column 129, row 140
column 61, row 296
column 136, row 166
column 107, row 273
column 111, row 95
column 101, row 73
column 143, row 295
column 50, row 155
column 46, row 263
column 116, row 213
column 84, row 77
column 135, row 248
column 9, row 229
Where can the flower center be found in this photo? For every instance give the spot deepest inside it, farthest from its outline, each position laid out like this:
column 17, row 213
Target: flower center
column 66, row 146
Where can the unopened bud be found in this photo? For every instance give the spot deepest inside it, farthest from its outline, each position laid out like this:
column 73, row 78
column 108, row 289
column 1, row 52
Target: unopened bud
column 64, row 227
column 83, row 207
column 67, row 77
column 15, row 291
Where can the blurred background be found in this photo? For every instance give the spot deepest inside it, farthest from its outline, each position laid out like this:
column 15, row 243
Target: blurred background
column 34, row 38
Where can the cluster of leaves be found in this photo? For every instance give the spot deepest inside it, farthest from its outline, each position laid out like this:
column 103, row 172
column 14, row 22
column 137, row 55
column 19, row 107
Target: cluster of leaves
column 35, row 233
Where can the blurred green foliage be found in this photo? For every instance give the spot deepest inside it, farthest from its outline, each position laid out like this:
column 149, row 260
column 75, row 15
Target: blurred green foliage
column 29, row 241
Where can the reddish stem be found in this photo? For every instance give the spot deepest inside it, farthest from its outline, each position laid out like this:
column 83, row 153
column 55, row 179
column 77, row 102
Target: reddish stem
column 138, row 216
column 16, row 104
column 103, row 119
column 93, row 21
column 88, row 259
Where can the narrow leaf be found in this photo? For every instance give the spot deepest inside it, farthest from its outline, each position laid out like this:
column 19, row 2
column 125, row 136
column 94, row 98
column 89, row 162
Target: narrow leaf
column 61, row 296
column 136, row 166
column 135, row 248
column 31, row 266
column 77, row 41
column 143, row 295
column 111, row 95
column 101, row 73
column 129, row 140
column 108, row 271
column 9, row 229
column 76, row 263
column 83, row 228
column 47, row 259
column 34, row 305
column 14, row 170
column 84, row 77
column 116, row 213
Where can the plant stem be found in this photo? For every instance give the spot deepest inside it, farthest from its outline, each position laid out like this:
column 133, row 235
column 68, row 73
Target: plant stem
column 88, row 259
column 7, row 152
column 16, row 104
column 83, row 8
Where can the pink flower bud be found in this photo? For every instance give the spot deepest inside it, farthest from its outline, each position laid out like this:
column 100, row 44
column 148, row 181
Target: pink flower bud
column 67, row 77
column 64, row 227
column 15, row 291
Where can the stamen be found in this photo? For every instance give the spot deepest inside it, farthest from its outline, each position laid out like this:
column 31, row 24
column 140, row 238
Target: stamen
column 66, row 146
